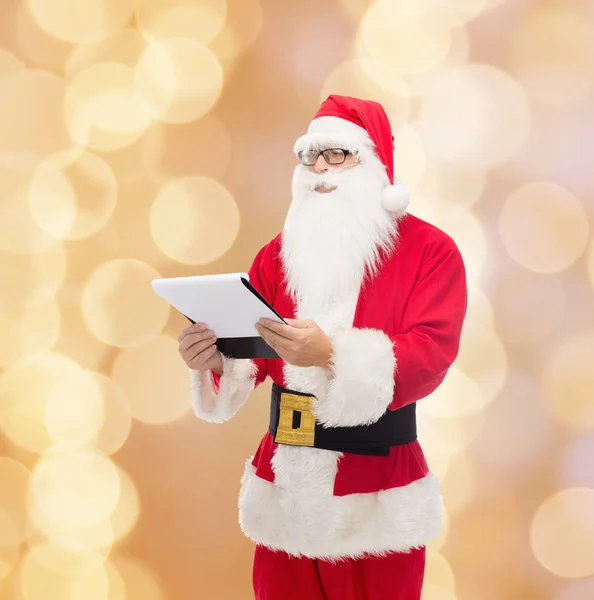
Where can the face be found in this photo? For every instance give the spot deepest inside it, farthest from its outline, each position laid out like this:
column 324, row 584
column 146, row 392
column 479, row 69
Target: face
column 322, row 166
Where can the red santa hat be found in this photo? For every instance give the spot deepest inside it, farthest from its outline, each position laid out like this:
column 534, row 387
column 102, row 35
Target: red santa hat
column 358, row 124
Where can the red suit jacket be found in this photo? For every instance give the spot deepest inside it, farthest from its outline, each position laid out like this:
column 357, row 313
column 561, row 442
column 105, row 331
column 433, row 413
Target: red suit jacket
column 393, row 343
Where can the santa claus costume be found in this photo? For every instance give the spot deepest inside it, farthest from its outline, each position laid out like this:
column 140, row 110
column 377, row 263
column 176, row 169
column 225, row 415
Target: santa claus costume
column 338, row 497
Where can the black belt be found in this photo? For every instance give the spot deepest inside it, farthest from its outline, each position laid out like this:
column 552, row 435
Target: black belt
column 293, row 423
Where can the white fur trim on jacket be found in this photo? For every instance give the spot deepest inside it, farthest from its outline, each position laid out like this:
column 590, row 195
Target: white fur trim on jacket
column 361, row 385
column 310, row 521
column 237, row 382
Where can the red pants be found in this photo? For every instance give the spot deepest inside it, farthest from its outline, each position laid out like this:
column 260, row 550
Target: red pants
column 397, row 576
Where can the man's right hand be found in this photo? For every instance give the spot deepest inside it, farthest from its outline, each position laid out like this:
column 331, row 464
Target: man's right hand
column 198, row 349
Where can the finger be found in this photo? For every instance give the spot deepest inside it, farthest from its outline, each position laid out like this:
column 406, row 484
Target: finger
column 299, row 323
column 193, row 328
column 195, row 338
column 279, row 328
column 274, row 339
column 203, row 357
column 200, row 348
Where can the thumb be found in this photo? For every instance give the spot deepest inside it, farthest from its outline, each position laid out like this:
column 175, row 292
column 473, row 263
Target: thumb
column 300, row 323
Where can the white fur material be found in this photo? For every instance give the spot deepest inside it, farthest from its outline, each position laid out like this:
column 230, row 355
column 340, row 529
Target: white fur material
column 395, row 198
column 303, row 518
column 362, row 384
column 237, row 382
column 329, row 124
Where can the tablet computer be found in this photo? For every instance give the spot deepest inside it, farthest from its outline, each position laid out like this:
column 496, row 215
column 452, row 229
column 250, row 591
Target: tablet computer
column 228, row 304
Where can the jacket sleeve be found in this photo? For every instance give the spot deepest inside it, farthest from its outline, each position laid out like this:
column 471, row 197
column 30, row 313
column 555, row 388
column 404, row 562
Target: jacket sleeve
column 217, row 399
column 372, row 372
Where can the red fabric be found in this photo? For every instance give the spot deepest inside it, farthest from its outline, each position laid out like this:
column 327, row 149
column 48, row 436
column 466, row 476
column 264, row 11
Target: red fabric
column 401, row 301
column 359, row 474
column 369, row 115
column 396, row 576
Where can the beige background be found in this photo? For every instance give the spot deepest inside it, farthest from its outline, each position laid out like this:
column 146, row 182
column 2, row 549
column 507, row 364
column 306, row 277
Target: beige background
column 154, row 137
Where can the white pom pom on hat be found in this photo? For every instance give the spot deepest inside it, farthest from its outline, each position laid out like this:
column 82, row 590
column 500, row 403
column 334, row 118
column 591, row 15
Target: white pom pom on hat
column 396, row 197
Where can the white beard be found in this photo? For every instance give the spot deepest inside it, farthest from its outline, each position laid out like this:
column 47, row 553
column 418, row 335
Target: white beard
column 331, row 241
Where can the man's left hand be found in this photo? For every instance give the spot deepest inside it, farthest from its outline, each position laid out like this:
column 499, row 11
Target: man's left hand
column 301, row 342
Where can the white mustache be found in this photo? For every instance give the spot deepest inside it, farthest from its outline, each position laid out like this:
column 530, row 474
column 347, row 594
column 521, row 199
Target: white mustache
column 312, row 180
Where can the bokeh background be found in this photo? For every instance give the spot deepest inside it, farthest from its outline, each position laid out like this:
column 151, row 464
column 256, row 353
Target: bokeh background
column 154, row 138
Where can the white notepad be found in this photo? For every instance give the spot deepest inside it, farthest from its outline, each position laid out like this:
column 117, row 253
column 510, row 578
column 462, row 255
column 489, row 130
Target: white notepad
column 228, row 304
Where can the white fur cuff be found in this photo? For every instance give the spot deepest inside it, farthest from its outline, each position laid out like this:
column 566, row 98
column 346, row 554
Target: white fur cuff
column 362, row 379
column 237, row 382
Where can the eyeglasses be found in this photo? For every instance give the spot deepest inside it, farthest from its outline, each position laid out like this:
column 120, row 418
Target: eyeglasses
column 333, row 156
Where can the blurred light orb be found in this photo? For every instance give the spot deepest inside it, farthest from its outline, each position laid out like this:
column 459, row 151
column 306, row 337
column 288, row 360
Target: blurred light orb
column 117, row 422
column 436, row 592
column 458, row 396
column 14, row 482
column 451, row 13
column 567, row 378
column 410, row 160
column 9, row 64
column 81, row 21
column 31, row 326
column 422, row 207
column 530, row 306
column 38, row 47
column 383, row 75
column 37, row 582
column 454, row 185
column 75, row 489
column 401, row 34
column 19, row 233
column 9, row 557
column 162, row 394
column 119, row 305
column 173, row 152
column 125, row 47
column 194, row 220
column 437, row 543
column 439, row 572
column 74, row 411
column 577, row 467
column 479, row 309
column 25, row 390
column 73, row 195
column 65, row 561
column 31, row 115
column 469, row 232
column 103, row 109
column 30, row 276
column 167, row 81
column 475, row 115
column 519, row 411
column 552, row 52
column 76, row 538
column 482, row 356
column 562, row 533
column 577, row 590
column 459, row 488
column 447, row 436
column 591, row 263
column 242, row 27
column 458, row 54
column 353, row 78
column 543, row 227
column 126, row 512
column 200, row 20
column 140, row 581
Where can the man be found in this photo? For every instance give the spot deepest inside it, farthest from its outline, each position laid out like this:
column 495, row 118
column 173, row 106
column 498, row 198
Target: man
column 338, row 496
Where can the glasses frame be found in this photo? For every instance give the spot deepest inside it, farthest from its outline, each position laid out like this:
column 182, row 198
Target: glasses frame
column 321, row 152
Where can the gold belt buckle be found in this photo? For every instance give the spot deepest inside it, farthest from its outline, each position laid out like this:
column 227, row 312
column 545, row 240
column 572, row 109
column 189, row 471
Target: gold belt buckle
column 296, row 424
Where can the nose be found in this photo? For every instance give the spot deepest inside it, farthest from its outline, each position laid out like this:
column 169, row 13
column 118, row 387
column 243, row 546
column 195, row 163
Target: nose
column 321, row 165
